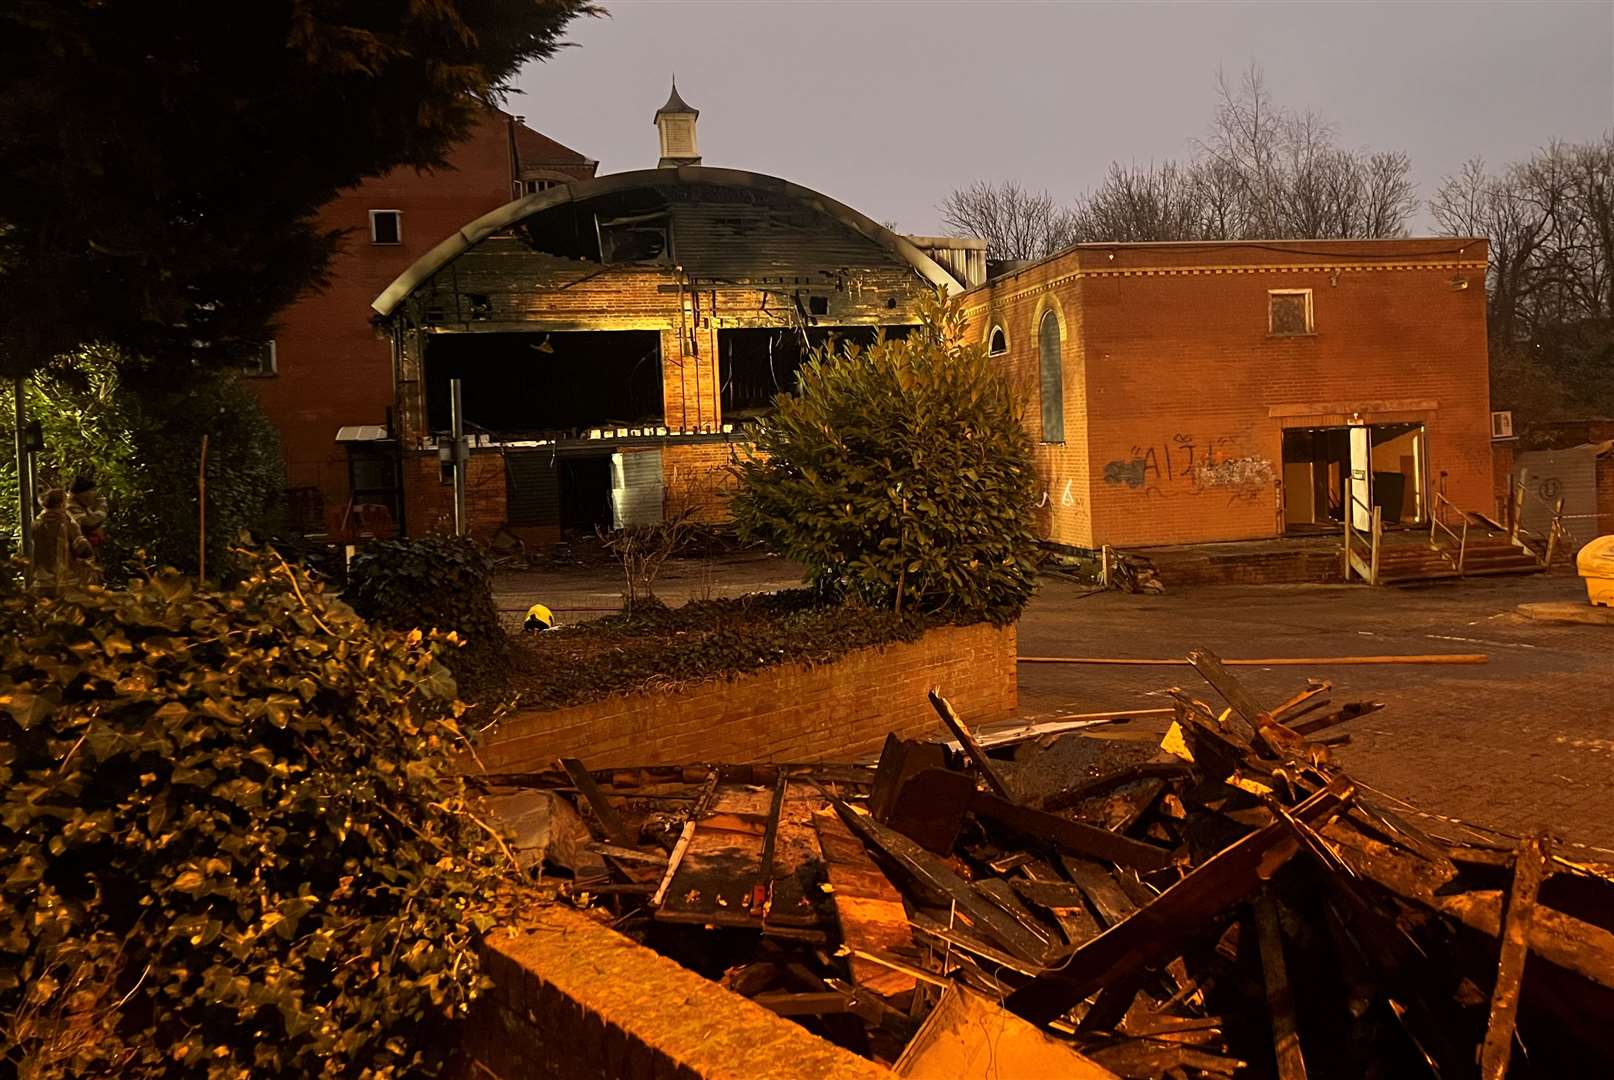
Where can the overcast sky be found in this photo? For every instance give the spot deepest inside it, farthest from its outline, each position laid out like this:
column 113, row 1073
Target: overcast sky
column 888, row 105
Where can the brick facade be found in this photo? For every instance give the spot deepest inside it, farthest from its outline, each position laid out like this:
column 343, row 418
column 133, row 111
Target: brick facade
column 1177, row 396
column 573, row 998
column 789, row 713
column 334, row 368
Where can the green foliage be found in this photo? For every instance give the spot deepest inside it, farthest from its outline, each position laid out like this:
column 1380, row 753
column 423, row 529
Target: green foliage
column 654, row 647
column 900, row 475
column 143, row 446
column 232, row 842
column 164, row 163
column 442, row 582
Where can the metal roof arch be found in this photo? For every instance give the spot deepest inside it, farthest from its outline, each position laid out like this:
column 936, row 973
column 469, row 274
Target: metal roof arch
column 517, row 211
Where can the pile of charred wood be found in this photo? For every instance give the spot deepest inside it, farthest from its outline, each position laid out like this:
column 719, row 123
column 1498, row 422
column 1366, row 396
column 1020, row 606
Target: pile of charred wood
column 1235, row 906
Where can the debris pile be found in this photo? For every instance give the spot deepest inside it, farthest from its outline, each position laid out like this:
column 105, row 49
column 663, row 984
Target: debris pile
column 1235, row 905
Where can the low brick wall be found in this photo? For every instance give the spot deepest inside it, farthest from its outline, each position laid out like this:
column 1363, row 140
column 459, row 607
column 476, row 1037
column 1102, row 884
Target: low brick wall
column 572, row 999
column 839, row 711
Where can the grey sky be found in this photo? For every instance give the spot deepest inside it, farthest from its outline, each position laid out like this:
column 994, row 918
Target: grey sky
column 888, row 105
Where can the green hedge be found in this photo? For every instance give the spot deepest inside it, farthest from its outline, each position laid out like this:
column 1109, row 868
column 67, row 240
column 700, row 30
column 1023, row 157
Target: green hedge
column 900, row 475
column 232, row 842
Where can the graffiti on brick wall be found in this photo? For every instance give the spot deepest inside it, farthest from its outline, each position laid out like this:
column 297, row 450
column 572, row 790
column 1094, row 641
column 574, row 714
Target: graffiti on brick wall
column 1065, row 498
column 1187, row 465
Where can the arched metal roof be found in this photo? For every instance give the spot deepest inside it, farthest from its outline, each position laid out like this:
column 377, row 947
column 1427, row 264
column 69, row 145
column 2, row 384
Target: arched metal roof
column 513, row 213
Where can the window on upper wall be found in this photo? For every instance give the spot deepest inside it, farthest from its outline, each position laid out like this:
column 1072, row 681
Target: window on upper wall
column 533, row 187
column 1053, row 379
column 262, row 364
column 997, row 342
column 1289, row 312
column 386, row 226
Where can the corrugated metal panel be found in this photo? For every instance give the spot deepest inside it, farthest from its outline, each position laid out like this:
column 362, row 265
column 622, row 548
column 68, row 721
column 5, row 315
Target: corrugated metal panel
column 531, row 488
column 1568, row 474
column 636, row 488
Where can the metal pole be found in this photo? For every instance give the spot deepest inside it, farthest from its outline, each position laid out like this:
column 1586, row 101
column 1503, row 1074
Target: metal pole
column 456, row 424
column 25, row 473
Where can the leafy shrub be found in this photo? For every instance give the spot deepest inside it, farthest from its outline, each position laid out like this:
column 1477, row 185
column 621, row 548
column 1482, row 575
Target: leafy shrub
column 900, row 475
column 231, row 839
column 444, row 582
column 143, row 446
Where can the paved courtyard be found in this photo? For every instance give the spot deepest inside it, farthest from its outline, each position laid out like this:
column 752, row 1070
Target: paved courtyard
column 1523, row 742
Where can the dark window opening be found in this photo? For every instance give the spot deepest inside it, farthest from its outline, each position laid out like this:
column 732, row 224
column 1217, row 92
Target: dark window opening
column 755, row 365
column 998, row 342
column 627, row 226
column 386, row 227
column 546, row 385
column 818, row 305
column 478, row 307
column 1053, row 380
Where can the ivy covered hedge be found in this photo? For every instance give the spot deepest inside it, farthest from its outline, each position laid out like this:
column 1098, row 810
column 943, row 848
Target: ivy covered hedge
column 231, row 839
column 436, row 581
column 705, row 639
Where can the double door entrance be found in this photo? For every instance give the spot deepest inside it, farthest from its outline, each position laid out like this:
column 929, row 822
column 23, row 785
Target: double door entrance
column 1331, row 471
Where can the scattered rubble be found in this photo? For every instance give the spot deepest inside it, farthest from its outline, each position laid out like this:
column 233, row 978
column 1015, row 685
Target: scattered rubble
column 1233, row 905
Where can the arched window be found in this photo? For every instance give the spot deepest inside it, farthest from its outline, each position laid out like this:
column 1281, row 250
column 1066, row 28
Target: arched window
column 1053, row 380
column 997, row 343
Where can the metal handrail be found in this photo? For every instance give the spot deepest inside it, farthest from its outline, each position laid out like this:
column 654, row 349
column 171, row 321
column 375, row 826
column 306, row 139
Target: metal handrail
column 1375, row 535
column 1460, row 539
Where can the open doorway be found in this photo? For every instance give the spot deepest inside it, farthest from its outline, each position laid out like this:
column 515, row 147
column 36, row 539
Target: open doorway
column 1327, row 470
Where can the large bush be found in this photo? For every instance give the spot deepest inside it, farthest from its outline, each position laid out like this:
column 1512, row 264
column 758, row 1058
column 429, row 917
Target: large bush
column 143, row 446
column 900, row 475
column 231, row 839
column 438, row 581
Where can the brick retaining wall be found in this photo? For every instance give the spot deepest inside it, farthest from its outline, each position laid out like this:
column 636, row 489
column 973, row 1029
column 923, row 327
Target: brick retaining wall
column 793, row 712
column 572, row 998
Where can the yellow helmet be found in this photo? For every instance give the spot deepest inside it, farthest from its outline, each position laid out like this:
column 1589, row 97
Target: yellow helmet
column 538, row 618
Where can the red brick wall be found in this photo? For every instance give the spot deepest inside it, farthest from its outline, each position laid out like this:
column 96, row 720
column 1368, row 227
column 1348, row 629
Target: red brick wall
column 697, row 479
column 573, row 998
column 333, row 369
column 1183, row 396
column 429, row 503
column 837, row 711
column 1501, row 475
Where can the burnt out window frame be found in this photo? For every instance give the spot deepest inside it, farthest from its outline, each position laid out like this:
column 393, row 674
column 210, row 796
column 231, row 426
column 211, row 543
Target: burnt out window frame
column 1308, row 314
column 1051, row 386
column 997, row 341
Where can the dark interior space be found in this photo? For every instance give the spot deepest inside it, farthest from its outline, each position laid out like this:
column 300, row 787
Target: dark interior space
column 585, row 492
column 626, row 226
column 754, row 365
column 546, row 384
column 1317, row 469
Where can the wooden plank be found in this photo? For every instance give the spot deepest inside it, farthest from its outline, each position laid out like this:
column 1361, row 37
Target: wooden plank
column 1076, row 836
column 1271, row 661
column 1001, row 893
column 968, row 1037
column 1074, row 920
column 762, row 891
column 972, row 749
column 1107, row 897
column 604, row 812
column 899, row 760
column 1154, row 934
column 935, row 877
column 1103, row 785
column 871, row 913
column 722, row 862
column 1562, row 940
column 1528, row 870
column 796, row 897
column 1280, row 1000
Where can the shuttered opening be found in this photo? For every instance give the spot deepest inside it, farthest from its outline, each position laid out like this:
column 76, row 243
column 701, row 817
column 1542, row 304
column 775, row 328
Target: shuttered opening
column 636, row 488
column 531, row 488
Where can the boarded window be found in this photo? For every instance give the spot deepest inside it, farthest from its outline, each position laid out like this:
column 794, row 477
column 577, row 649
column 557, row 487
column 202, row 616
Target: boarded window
column 998, row 342
column 1053, row 380
column 1290, row 311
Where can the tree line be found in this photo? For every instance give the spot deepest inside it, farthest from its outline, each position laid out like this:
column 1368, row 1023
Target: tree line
column 1266, row 172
